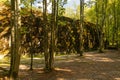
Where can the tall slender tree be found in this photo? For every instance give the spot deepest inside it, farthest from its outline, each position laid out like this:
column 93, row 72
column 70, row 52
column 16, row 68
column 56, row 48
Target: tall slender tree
column 81, row 26
column 15, row 39
column 56, row 30
column 31, row 46
column 52, row 44
column 97, row 17
column 46, row 45
column 102, row 24
column 115, row 23
column 118, row 26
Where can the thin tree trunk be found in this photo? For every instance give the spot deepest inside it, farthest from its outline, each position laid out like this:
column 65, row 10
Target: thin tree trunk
column 97, row 17
column 81, row 26
column 101, row 47
column 15, row 39
column 52, row 45
column 46, row 48
column 115, row 23
column 56, row 30
column 118, row 16
column 31, row 46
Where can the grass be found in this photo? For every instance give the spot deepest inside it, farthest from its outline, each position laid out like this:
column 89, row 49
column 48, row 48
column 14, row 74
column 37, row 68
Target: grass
column 5, row 60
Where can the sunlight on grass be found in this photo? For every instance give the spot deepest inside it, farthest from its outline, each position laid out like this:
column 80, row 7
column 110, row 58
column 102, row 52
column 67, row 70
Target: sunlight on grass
column 1, row 56
column 100, row 59
column 104, row 60
column 117, row 78
column 89, row 55
column 4, row 64
column 70, row 61
column 71, row 79
column 23, row 67
column 60, row 79
column 5, row 60
column 59, row 69
column 5, row 78
column 35, row 56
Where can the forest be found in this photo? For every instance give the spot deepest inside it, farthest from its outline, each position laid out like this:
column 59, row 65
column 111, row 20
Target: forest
column 59, row 39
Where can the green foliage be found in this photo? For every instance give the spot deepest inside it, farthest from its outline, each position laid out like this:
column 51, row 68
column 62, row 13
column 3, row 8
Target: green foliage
column 61, row 9
column 61, row 23
column 27, row 3
column 24, row 30
column 90, row 14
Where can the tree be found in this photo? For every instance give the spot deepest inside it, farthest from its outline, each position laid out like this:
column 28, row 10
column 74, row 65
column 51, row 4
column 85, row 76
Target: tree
column 56, row 30
column 31, row 42
column 97, row 16
column 53, row 24
column 15, row 39
column 46, row 48
column 102, row 24
column 115, row 27
column 60, row 6
column 49, row 51
column 81, row 26
column 118, row 25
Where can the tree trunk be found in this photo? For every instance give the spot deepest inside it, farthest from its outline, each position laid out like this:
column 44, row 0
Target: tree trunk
column 46, row 48
column 31, row 46
column 115, row 24
column 52, row 45
column 118, row 25
column 81, row 26
column 15, row 39
column 101, row 47
column 56, row 30
column 97, row 19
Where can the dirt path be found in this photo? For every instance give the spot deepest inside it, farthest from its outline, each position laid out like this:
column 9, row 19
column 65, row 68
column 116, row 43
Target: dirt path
column 93, row 66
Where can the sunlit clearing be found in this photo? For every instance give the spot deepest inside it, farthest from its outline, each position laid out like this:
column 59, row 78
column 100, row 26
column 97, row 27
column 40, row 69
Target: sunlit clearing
column 100, row 59
column 71, row 79
column 60, row 79
column 1, row 56
column 4, row 53
column 117, row 78
column 70, row 61
column 23, row 67
column 4, row 64
column 37, row 58
column 59, row 69
column 106, row 60
column 5, row 78
column 89, row 55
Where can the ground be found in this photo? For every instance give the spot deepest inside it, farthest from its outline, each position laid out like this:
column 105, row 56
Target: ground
column 92, row 66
